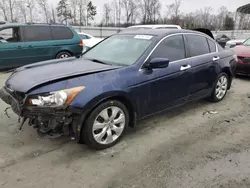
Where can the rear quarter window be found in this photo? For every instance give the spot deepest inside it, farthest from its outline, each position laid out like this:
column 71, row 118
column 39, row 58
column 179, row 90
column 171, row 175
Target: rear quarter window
column 61, row 33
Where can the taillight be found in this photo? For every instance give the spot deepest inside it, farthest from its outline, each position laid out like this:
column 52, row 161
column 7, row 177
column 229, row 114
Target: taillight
column 81, row 43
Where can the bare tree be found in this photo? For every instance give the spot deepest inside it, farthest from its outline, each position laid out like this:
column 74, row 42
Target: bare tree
column 106, row 14
column 45, row 8
column 23, row 9
column 82, row 7
column 31, row 7
column 11, row 5
column 150, row 10
column 53, row 14
column 176, row 9
column 117, row 10
column 222, row 13
column 130, row 8
column 74, row 6
column 3, row 9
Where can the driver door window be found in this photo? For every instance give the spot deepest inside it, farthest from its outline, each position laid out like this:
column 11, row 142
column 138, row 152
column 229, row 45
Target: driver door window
column 10, row 35
column 172, row 48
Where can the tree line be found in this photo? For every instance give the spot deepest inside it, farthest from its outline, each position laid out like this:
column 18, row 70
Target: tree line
column 124, row 13
column 75, row 12
column 119, row 13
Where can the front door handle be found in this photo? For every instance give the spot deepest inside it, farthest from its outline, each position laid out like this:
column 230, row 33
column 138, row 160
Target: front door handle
column 216, row 58
column 30, row 46
column 185, row 67
column 19, row 47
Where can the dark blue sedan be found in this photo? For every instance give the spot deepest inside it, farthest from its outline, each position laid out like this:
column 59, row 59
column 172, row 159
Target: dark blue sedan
column 126, row 77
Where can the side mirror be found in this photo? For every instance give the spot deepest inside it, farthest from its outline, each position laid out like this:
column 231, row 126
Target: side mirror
column 158, row 63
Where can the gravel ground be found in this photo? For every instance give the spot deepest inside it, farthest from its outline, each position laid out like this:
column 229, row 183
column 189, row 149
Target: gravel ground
column 184, row 147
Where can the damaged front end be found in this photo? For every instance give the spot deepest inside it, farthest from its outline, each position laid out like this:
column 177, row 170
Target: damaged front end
column 48, row 113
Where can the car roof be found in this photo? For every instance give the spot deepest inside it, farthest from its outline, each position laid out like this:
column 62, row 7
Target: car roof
column 34, row 25
column 160, row 32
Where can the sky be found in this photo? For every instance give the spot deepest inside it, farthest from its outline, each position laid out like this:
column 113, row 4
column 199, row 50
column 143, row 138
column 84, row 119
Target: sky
column 186, row 6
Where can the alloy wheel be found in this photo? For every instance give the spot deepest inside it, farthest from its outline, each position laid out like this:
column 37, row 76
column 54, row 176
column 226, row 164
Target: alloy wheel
column 109, row 125
column 221, row 87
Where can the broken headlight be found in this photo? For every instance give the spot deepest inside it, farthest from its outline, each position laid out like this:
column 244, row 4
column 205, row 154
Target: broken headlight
column 57, row 98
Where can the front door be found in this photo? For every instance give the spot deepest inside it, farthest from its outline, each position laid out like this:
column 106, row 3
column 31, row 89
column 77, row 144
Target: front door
column 11, row 48
column 167, row 87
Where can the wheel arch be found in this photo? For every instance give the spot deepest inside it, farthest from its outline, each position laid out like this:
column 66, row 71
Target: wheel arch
column 229, row 74
column 119, row 97
column 64, row 50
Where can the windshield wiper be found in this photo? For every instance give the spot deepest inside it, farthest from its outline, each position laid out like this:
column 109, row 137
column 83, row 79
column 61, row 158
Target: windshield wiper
column 99, row 61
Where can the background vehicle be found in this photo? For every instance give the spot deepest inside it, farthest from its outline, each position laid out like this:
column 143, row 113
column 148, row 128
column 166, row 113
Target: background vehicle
column 222, row 39
column 234, row 42
column 156, row 26
column 30, row 43
column 243, row 54
column 88, row 40
column 125, row 78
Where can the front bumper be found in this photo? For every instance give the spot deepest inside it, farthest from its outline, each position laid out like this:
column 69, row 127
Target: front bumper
column 8, row 97
column 243, row 68
column 66, row 117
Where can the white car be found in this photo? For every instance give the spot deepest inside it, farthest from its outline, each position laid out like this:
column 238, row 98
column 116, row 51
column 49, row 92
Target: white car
column 136, row 27
column 88, row 40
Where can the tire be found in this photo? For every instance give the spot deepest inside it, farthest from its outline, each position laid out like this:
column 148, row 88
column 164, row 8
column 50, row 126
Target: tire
column 62, row 55
column 101, row 130
column 220, row 88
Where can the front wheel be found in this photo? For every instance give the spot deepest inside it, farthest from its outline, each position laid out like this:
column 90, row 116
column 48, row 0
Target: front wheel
column 220, row 88
column 105, row 125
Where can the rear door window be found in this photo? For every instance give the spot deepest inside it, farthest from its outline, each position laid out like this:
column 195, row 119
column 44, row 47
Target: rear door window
column 171, row 48
column 197, row 45
column 61, row 33
column 36, row 33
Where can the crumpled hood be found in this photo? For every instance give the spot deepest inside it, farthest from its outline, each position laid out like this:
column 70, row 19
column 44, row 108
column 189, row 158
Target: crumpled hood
column 25, row 78
column 242, row 50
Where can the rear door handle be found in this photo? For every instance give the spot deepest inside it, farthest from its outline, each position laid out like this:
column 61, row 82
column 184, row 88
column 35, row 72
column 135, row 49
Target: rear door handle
column 30, row 46
column 185, row 67
column 19, row 47
column 216, row 58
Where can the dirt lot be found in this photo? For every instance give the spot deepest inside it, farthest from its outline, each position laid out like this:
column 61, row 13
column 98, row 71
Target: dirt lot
column 182, row 148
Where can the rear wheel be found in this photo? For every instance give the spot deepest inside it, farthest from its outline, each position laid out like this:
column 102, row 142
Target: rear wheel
column 220, row 88
column 63, row 55
column 105, row 125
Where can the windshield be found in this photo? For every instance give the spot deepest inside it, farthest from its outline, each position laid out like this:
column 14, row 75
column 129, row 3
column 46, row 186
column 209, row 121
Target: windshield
column 247, row 42
column 120, row 49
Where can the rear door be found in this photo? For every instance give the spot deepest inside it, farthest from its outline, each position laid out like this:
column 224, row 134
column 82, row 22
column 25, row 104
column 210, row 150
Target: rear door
column 38, row 43
column 204, row 56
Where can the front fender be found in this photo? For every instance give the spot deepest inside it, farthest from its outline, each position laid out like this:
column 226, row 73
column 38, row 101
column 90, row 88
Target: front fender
column 88, row 105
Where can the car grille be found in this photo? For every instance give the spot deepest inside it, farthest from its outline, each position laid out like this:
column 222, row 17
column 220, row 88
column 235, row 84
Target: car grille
column 244, row 59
